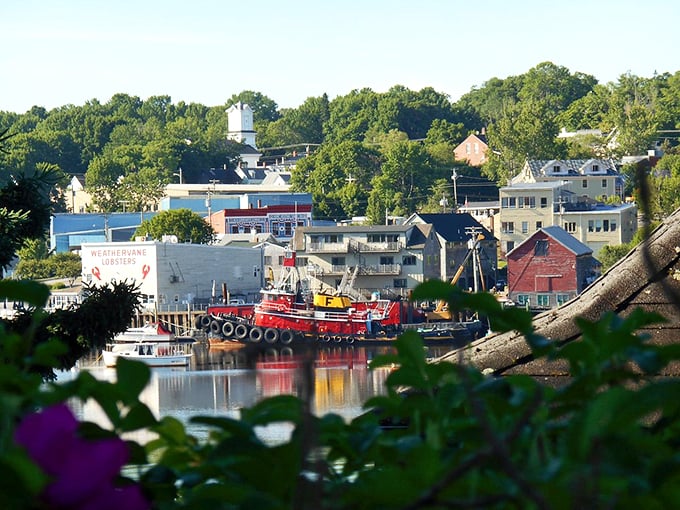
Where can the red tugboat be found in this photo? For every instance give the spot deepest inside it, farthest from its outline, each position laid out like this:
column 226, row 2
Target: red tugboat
column 286, row 315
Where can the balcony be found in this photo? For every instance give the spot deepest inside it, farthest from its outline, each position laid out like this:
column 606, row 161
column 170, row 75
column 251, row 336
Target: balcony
column 327, row 248
column 380, row 269
column 385, row 247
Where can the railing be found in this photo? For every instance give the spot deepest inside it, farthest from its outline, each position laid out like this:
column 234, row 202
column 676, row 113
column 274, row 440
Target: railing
column 327, row 248
column 392, row 269
column 386, row 247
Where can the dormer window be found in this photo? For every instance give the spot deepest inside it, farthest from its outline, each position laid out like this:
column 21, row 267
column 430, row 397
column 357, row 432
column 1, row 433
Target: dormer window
column 557, row 169
column 596, row 168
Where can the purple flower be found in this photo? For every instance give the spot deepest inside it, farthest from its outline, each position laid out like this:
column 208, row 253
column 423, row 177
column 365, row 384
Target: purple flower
column 83, row 472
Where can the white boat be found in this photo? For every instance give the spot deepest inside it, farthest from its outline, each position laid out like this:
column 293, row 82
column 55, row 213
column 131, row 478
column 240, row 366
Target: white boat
column 151, row 344
column 155, row 354
column 150, row 332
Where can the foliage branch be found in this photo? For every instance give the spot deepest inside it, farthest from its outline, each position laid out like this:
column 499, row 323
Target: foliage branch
column 443, row 435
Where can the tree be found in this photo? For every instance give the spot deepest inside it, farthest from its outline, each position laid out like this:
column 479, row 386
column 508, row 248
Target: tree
column 633, row 111
column 24, row 209
column 664, row 183
column 264, row 108
column 526, row 130
column 58, row 265
column 406, row 175
column 297, row 126
column 338, row 176
column 183, row 223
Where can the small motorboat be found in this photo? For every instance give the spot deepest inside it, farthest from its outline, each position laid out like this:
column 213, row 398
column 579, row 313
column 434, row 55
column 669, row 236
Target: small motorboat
column 151, row 344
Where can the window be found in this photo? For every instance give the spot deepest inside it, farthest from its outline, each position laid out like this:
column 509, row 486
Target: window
column 543, row 300
column 523, row 299
column 539, row 225
column 562, row 298
column 408, row 260
column 541, row 248
column 526, row 202
column 557, row 169
column 386, row 260
column 399, row 283
column 604, row 183
column 508, row 227
column 300, row 261
column 267, row 260
column 605, row 225
column 585, row 183
column 509, row 246
column 544, row 202
column 525, row 227
column 596, row 168
column 504, row 203
column 598, row 225
column 591, row 226
column 326, row 238
column 476, row 148
column 467, row 148
column 512, row 202
column 382, row 238
column 570, row 226
column 337, row 261
column 612, row 226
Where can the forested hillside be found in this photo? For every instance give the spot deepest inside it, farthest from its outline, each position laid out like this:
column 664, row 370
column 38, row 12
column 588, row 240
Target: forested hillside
column 369, row 153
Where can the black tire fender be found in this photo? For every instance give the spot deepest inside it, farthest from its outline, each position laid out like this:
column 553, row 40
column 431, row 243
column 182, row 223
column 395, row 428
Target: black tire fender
column 271, row 335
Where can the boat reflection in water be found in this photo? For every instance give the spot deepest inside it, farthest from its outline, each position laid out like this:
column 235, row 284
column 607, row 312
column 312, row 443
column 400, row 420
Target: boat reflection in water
column 220, row 382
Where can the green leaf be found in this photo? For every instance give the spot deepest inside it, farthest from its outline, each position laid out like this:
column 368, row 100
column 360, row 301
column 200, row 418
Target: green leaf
column 139, row 416
column 34, row 293
column 131, row 377
column 46, row 354
column 282, row 408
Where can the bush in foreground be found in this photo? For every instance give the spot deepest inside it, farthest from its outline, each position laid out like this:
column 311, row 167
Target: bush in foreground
column 443, row 436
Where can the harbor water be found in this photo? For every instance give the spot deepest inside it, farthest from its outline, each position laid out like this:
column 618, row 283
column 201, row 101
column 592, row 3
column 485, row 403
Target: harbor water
column 222, row 381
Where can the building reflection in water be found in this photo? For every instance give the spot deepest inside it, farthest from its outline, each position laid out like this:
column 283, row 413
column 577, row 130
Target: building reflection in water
column 219, row 382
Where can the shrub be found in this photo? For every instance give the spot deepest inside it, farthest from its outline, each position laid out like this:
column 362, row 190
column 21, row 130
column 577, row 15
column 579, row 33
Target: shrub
column 443, row 436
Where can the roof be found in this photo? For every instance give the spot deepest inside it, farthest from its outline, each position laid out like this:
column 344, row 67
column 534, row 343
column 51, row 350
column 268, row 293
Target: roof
column 561, row 236
column 518, row 186
column 452, row 226
column 573, row 166
column 648, row 277
column 355, row 229
column 417, row 237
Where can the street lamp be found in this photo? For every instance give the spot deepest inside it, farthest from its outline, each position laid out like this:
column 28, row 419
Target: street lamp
column 181, row 180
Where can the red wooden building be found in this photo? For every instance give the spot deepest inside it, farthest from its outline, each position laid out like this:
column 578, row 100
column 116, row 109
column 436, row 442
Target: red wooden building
column 549, row 268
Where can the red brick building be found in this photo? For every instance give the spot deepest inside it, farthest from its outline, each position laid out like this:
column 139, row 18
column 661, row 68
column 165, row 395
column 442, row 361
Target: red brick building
column 473, row 149
column 549, row 268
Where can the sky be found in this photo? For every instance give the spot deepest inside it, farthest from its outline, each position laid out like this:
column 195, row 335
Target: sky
column 61, row 52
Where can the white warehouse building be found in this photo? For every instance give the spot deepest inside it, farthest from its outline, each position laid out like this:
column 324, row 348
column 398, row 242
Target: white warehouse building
column 170, row 273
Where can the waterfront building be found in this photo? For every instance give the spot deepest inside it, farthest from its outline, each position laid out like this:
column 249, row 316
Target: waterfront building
column 549, row 268
column 388, row 259
column 173, row 274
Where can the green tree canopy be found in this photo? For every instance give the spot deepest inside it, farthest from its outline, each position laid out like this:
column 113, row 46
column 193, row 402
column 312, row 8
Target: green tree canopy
column 183, row 223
